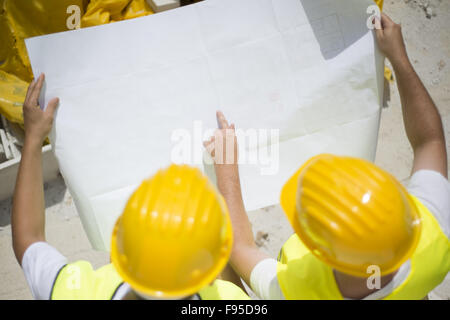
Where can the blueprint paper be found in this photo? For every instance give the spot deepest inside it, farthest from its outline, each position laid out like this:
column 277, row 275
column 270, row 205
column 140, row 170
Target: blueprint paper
column 308, row 68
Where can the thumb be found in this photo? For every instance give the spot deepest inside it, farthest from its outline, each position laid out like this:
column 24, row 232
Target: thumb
column 378, row 28
column 52, row 106
column 377, row 23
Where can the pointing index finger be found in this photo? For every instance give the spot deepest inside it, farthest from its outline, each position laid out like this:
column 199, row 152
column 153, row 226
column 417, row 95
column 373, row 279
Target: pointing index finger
column 221, row 121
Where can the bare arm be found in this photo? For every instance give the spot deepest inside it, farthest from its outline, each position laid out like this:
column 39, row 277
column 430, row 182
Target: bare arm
column 245, row 254
column 28, row 211
column 422, row 121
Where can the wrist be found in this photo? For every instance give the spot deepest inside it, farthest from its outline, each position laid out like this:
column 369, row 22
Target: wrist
column 32, row 142
column 227, row 177
column 226, row 171
column 400, row 61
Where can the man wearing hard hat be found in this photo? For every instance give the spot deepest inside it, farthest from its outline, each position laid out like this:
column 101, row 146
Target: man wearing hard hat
column 359, row 234
column 172, row 240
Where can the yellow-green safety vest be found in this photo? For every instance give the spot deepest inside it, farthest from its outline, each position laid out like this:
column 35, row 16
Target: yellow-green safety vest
column 302, row 275
column 79, row 281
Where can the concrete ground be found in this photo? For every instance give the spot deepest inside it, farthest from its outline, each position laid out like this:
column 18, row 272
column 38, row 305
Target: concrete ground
column 428, row 43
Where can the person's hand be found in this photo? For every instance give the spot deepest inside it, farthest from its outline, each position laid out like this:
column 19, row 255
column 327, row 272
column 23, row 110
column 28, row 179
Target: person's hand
column 390, row 39
column 223, row 145
column 37, row 122
column 223, row 149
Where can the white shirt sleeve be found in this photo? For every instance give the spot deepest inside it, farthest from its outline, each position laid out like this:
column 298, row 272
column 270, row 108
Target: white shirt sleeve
column 433, row 190
column 41, row 264
column 264, row 282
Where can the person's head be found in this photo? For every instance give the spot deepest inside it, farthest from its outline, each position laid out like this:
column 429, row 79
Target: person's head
column 352, row 214
column 174, row 236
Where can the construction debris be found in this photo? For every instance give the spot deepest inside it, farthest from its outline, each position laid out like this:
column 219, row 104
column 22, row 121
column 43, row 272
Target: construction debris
column 9, row 145
column 424, row 5
column 436, row 81
column 261, row 238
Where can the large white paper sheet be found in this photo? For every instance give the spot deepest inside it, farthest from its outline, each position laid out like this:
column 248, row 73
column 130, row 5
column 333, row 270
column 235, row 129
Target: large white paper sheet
column 308, row 68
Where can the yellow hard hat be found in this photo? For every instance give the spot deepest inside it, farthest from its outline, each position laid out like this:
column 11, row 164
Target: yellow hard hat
column 352, row 214
column 174, row 236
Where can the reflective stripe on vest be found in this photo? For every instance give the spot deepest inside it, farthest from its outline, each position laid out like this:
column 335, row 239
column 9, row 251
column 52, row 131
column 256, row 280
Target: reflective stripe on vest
column 79, row 281
column 303, row 276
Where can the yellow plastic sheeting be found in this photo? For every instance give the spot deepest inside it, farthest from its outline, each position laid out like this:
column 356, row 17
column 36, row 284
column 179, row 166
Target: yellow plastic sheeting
column 12, row 95
column 379, row 3
column 105, row 11
column 388, row 74
column 137, row 8
column 20, row 19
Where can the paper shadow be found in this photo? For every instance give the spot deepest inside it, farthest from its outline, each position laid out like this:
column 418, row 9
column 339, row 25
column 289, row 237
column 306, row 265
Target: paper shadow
column 335, row 28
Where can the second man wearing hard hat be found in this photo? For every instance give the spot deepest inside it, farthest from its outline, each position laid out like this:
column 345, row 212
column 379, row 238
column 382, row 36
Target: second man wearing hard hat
column 359, row 234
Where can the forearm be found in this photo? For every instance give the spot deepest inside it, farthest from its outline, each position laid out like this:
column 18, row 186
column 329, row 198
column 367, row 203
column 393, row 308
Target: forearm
column 421, row 118
column 245, row 254
column 28, row 211
column 230, row 187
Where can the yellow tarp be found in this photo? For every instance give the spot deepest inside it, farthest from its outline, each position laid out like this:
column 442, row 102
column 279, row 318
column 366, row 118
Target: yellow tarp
column 106, row 11
column 12, row 95
column 21, row 19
